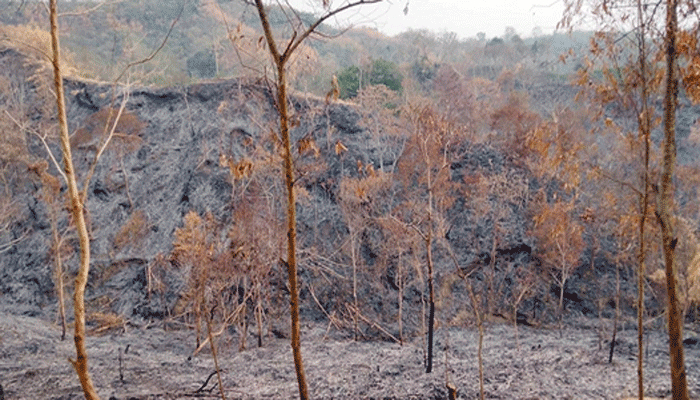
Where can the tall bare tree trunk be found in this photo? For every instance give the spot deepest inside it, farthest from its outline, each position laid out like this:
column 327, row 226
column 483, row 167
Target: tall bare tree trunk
column 675, row 331
column 399, row 283
column 429, row 252
column 645, row 125
column 353, row 255
column 80, row 363
column 431, row 305
column 616, row 319
column 291, row 228
column 280, row 61
column 480, row 324
column 58, row 271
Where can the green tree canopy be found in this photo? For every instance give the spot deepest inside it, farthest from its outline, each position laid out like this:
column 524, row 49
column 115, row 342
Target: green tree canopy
column 378, row 72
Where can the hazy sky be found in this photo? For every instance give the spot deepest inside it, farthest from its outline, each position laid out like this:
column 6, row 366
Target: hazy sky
column 464, row 17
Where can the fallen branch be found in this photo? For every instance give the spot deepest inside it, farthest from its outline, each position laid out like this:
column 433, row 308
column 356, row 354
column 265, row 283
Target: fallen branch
column 357, row 312
column 206, row 382
column 331, row 319
column 225, row 323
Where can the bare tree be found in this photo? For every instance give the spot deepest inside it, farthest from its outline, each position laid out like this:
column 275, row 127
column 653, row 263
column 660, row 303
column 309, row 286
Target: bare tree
column 80, row 363
column 559, row 236
column 281, row 57
column 424, row 172
column 645, row 129
column 668, row 234
column 78, row 198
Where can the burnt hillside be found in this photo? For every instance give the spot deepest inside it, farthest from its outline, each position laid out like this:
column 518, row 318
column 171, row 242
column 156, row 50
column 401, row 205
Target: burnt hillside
column 172, row 164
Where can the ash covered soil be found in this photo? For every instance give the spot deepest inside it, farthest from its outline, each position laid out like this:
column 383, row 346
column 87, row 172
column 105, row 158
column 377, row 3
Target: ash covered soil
column 547, row 364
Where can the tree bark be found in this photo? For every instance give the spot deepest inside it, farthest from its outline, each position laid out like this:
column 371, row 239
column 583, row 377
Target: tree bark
column 645, row 127
column 431, row 304
column 81, row 362
column 429, row 255
column 675, row 331
column 480, row 325
column 617, row 314
column 280, row 63
column 280, row 59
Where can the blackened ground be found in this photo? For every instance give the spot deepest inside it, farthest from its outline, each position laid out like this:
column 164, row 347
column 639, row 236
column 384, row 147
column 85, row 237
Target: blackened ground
column 541, row 364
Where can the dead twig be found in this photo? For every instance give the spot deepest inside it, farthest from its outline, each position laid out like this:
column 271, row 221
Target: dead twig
column 332, row 320
column 357, row 312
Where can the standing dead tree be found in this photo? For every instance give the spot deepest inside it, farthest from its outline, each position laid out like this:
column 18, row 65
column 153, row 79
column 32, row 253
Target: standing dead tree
column 76, row 197
column 281, row 57
column 80, row 363
column 424, row 172
column 665, row 217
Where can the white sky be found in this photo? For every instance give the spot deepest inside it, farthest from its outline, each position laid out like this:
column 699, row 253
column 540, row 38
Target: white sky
column 464, row 17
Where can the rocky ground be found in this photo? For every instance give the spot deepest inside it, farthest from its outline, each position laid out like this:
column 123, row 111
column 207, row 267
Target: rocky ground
column 541, row 364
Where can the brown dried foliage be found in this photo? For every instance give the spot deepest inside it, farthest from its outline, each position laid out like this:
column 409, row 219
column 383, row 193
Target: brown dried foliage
column 133, row 232
column 559, row 236
column 96, row 127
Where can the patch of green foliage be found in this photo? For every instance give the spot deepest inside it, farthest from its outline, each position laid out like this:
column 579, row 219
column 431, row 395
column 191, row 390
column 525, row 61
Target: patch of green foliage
column 378, row 72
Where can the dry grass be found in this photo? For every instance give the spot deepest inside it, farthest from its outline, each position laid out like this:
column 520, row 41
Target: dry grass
column 36, row 43
column 106, row 323
column 133, row 232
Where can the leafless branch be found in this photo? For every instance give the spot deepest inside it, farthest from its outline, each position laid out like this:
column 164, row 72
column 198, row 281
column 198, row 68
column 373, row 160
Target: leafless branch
column 294, row 43
column 357, row 312
column 89, row 10
column 27, row 45
column 224, row 323
column 620, row 182
column 412, row 226
column 7, row 246
column 156, row 51
column 105, row 141
column 231, row 38
column 43, row 141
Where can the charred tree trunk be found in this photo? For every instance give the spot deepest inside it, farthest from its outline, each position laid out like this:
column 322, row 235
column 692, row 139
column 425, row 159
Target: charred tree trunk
column 431, row 305
column 616, row 319
column 429, row 255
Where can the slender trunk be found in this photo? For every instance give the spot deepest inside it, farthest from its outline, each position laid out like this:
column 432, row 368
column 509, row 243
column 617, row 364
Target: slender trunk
column 60, row 290
column 451, row 388
column 399, row 283
column 81, row 362
column 431, row 290
column 353, row 255
column 431, row 304
column 560, row 307
column 243, row 324
column 675, row 333
column 280, row 61
column 429, row 254
column 61, row 300
column 617, row 313
column 424, row 327
column 259, row 316
column 516, row 304
column 515, row 325
column 480, row 355
column 491, row 277
column 480, row 325
column 126, row 184
column 645, row 125
column 291, row 231
column 198, row 315
column 210, row 320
